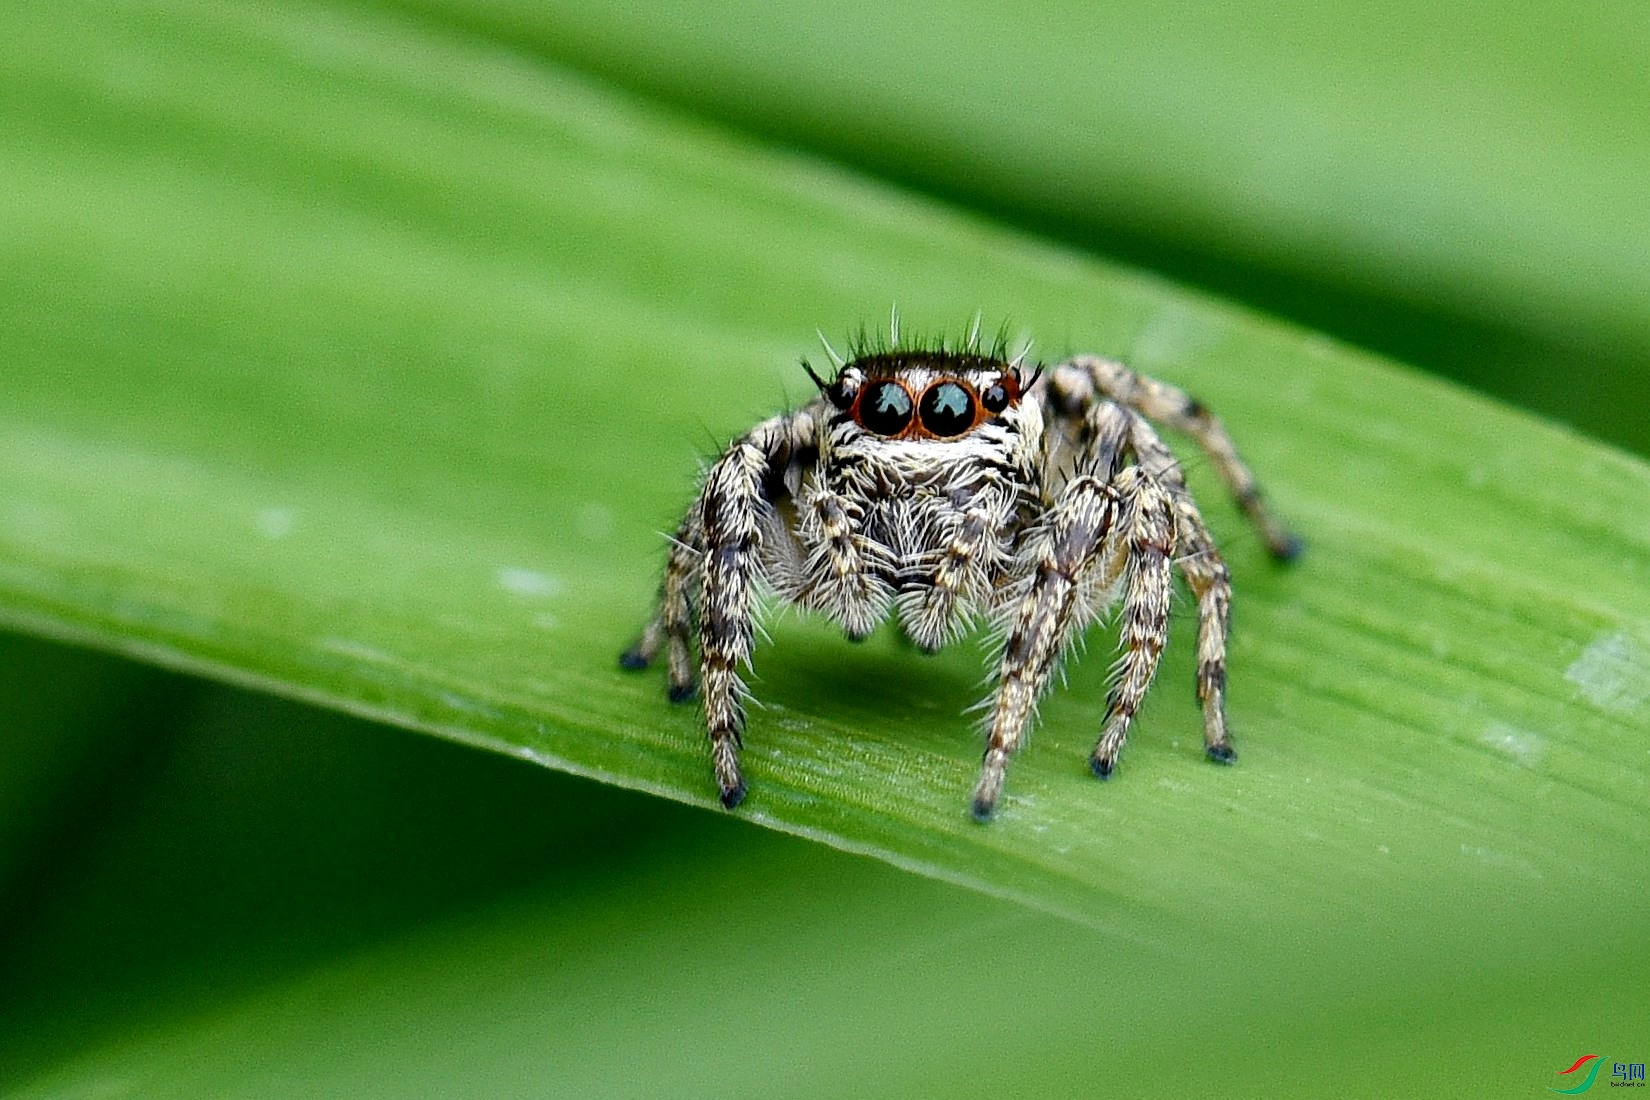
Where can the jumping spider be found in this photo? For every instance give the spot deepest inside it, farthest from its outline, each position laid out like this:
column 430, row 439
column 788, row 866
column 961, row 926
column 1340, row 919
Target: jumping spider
column 937, row 485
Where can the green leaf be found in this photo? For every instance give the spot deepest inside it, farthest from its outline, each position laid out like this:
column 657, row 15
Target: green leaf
column 57, row 704
column 1463, row 186
column 362, row 365
column 368, row 914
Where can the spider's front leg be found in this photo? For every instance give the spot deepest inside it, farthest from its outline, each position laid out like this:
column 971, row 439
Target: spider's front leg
column 1072, row 558
column 715, row 564
column 730, row 509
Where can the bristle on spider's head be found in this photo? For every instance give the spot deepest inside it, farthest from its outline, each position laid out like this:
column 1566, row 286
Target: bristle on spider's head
column 819, row 382
column 829, row 350
column 839, row 391
column 898, row 343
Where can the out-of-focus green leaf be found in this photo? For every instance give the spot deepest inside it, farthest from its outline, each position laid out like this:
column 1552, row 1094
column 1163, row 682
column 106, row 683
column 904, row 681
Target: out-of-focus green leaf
column 1466, row 185
column 295, row 903
column 362, row 365
column 59, row 745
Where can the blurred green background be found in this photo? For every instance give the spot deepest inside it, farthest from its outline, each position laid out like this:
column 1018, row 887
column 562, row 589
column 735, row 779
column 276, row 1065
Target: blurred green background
column 213, row 892
column 1465, row 188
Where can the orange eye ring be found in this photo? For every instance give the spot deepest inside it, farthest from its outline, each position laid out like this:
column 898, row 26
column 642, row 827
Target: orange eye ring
column 948, row 408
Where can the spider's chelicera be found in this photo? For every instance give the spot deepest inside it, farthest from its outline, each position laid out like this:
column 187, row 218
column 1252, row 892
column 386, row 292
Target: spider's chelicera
column 940, row 486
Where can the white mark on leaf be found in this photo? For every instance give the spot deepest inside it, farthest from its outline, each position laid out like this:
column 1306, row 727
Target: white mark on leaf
column 1613, row 673
column 359, row 651
column 276, row 523
column 1177, row 332
column 527, row 583
column 1520, row 745
column 1501, row 861
column 467, row 705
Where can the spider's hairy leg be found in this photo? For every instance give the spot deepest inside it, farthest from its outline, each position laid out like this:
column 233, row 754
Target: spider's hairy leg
column 1148, row 526
column 714, row 566
column 1211, row 584
column 1053, row 608
column 676, row 613
column 1180, row 411
column 672, row 623
column 738, row 497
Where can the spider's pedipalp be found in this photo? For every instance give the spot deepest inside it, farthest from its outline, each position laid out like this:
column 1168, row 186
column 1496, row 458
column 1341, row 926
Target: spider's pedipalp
column 839, row 576
column 938, row 612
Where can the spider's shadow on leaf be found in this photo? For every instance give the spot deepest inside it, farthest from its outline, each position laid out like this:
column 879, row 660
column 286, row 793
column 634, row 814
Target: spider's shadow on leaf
column 882, row 680
column 886, row 685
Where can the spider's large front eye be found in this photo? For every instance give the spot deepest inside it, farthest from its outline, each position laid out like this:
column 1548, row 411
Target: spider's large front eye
column 947, row 409
column 885, row 408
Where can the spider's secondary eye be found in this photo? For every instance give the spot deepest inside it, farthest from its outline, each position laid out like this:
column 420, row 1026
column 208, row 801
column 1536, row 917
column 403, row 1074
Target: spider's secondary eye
column 885, row 408
column 995, row 398
column 947, row 409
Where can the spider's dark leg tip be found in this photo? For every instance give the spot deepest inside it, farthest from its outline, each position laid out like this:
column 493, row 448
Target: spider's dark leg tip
column 1221, row 754
column 733, row 796
column 1290, row 549
column 633, row 659
column 982, row 810
column 1102, row 769
column 681, row 693
column 856, row 636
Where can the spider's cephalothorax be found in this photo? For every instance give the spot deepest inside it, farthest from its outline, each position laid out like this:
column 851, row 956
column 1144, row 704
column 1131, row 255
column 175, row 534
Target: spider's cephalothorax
column 939, row 486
